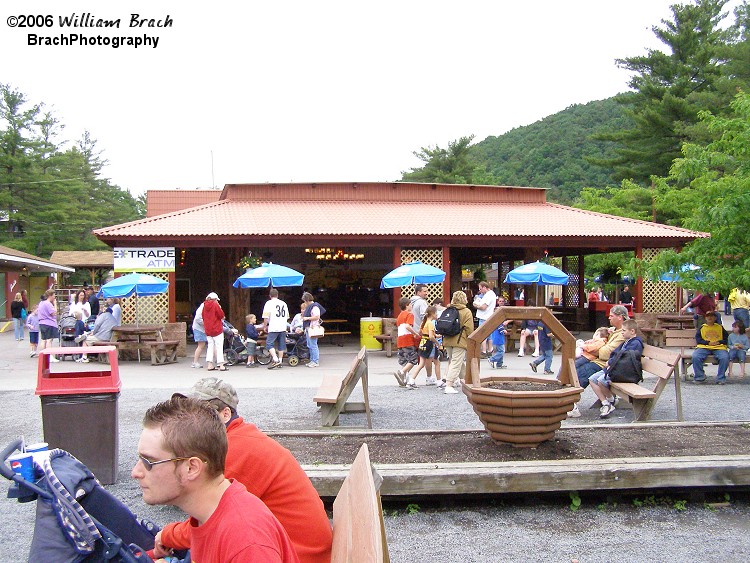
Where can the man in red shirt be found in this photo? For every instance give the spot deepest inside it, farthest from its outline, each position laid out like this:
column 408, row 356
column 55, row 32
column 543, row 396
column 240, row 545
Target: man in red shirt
column 181, row 456
column 270, row 472
column 701, row 304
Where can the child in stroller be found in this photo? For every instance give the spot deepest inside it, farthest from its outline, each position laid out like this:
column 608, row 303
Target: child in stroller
column 237, row 349
column 296, row 342
column 69, row 325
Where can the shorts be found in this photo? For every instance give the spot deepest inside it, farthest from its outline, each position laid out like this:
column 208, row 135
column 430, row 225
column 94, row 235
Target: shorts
column 408, row 355
column 33, row 337
column 273, row 337
column 48, row 332
column 199, row 335
column 600, row 378
column 739, row 355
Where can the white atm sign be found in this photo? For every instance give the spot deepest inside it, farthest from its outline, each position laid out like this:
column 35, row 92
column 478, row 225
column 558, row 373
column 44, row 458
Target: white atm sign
column 144, row 259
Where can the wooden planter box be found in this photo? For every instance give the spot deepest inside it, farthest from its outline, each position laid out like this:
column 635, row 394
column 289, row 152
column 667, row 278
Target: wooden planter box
column 521, row 418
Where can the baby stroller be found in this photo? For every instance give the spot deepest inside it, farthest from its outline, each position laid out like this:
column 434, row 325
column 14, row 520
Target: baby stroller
column 77, row 520
column 296, row 348
column 67, row 332
column 235, row 348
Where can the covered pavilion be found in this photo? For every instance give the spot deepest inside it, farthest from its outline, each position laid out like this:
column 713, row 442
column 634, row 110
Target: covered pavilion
column 344, row 236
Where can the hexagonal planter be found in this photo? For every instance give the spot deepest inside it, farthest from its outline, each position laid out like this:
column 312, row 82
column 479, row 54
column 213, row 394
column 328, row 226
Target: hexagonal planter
column 521, row 417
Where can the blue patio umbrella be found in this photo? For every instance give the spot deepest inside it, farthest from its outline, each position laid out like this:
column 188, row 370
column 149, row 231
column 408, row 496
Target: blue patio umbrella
column 138, row 284
column 672, row 276
column 537, row 273
column 270, row 274
column 411, row 273
column 134, row 284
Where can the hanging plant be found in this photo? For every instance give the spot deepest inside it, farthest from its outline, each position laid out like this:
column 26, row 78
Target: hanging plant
column 249, row 261
column 480, row 275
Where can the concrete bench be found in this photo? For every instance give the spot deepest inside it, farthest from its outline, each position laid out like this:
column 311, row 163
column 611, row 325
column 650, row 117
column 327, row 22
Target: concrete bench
column 163, row 352
column 333, row 394
column 358, row 527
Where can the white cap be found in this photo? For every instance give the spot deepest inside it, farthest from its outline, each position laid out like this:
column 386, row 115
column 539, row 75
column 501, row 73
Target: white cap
column 213, row 296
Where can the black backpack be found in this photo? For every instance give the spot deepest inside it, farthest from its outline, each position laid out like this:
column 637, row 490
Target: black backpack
column 449, row 323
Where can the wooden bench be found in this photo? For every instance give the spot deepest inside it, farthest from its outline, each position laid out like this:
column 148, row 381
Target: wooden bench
column 334, row 392
column 104, row 358
column 389, row 338
column 661, row 363
column 340, row 333
column 163, row 352
column 358, row 527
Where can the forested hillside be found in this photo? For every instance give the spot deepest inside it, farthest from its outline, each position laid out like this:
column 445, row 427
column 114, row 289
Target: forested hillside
column 552, row 153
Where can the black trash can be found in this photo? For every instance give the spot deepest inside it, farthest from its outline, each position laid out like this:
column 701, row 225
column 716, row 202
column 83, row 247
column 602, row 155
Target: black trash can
column 80, row 408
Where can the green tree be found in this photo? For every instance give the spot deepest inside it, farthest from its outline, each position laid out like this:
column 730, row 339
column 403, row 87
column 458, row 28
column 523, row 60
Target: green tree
column 444, row 166
column 717, row 176
column 699, row 71
column 50, row 198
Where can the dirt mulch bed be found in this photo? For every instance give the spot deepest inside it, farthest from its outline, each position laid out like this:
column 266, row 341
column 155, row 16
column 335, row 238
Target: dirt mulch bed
column 524, row 386
column 571, row 443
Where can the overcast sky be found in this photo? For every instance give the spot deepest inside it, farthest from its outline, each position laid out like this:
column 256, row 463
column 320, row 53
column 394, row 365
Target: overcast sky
column 316, row 91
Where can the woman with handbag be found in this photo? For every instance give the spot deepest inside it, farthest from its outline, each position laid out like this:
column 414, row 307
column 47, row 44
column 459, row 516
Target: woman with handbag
column 428, row 349
column 313, row 329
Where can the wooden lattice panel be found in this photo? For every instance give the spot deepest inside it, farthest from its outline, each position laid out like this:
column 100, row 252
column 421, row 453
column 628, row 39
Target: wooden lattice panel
column 152, row 310
column 658, row 296
column 570, row 291
column 430, row 256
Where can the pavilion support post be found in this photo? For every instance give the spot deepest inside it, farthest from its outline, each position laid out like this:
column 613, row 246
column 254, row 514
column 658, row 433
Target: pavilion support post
column 581, row 284
column 638, row 298
column 448, row 282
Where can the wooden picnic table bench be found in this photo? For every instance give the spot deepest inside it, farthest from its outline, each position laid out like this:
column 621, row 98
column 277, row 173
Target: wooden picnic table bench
column 389, row 338
column 358, row 526
column 661, row 363
column 163, row 352
column 334, row 392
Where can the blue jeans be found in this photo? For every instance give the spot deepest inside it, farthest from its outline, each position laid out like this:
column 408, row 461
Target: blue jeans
column 700, row 355
column 742, row 315
column 312, row 344
column 18, row 328
column 546, row 357
column 585, row 368
column 499, row 355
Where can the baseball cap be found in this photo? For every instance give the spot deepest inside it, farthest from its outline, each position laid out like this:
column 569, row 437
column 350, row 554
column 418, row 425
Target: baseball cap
column 212, row 295
column 214, row 388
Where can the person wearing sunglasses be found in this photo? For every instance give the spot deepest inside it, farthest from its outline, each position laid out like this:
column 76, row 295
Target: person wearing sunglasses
column 180, row 462
column 269, row 471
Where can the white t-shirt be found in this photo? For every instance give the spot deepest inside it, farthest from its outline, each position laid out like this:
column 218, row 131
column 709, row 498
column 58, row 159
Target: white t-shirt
column 490, row 299
column 277, row 313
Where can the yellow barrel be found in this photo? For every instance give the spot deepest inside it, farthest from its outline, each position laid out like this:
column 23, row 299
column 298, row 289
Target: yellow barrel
column 369, row 328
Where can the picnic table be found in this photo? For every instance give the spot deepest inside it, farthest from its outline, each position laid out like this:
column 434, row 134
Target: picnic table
column 135, row 337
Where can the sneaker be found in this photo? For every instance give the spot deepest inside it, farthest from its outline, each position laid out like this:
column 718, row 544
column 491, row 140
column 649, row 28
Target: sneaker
column 493, row 365
column 431, row 381
column 614, row 400
column 83, row 360
column 79, row 360
column 533, row 367
column 520, row 354
column 80, row 338
column 441, row 385
column 502, row 366
column 606, row 410
column 53, row 359
column 251, row 365
column 312, row 364
column 400, row 378
column 721, row 382
column 450, row 391
column 196, row 365
column 458, row 383
column 574, row 413
column 549, row 372
column 32, row 354
column 699, row 381
column 535, row 355
column 273, row 365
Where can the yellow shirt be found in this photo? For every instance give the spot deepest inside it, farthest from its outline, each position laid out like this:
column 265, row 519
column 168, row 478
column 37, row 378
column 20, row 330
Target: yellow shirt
column 739, row 299
column 711, row 333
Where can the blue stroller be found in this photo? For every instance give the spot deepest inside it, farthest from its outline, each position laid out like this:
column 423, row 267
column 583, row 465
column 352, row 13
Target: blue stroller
column 77, row 520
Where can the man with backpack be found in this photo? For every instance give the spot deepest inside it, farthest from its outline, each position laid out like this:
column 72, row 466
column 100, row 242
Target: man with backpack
column 455, row 324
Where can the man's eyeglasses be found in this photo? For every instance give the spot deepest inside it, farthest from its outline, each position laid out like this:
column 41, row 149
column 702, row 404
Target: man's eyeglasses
column 148, row 464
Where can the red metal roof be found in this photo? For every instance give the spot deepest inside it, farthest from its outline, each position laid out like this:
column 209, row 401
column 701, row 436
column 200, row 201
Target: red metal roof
column 375, row 212
column 159, row 202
